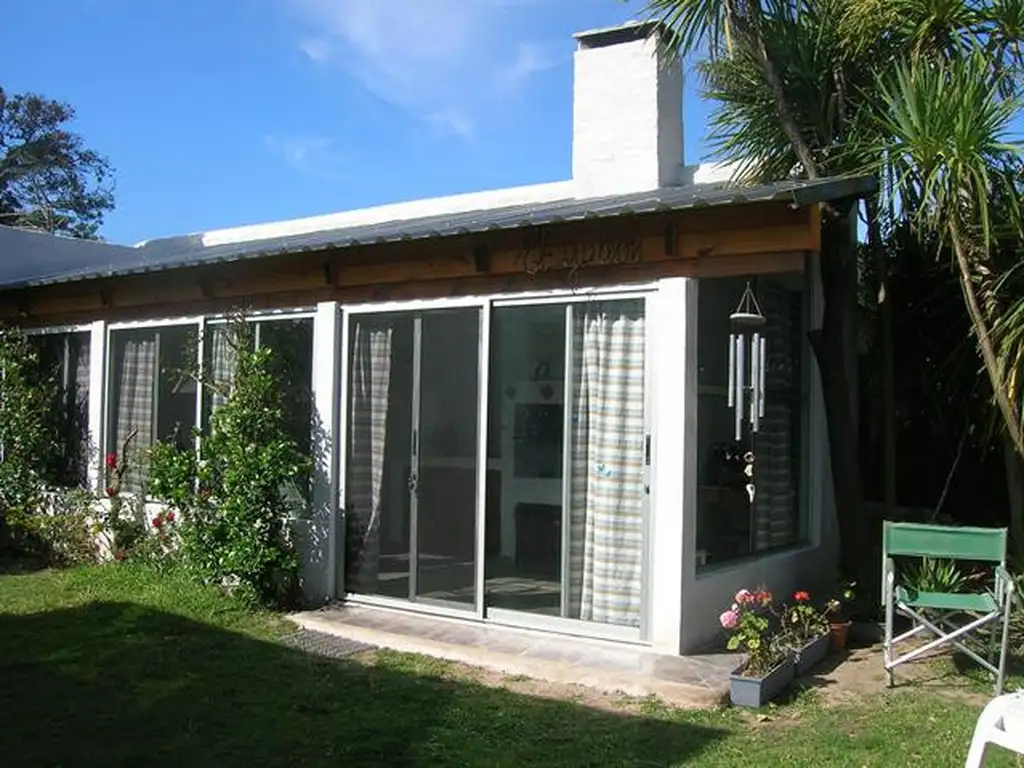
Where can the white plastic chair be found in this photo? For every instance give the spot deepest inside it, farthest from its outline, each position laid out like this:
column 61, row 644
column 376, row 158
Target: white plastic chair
column 1002, row 723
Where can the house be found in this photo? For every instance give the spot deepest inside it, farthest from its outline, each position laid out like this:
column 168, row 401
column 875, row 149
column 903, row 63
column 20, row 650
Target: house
column 527, row 400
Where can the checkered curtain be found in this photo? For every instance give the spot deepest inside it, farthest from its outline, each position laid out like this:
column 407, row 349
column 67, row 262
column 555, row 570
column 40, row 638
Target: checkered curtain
column 80, row 360
column 220, row 366
column 776, row 445
column 607, row 485
column 367, row 439
column 136, row 375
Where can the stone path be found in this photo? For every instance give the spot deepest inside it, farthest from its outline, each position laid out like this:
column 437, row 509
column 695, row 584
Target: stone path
column 617, row 668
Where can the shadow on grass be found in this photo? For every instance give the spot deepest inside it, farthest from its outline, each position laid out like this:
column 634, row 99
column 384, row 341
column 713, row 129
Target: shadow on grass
column 11, row 564
column 122, row 684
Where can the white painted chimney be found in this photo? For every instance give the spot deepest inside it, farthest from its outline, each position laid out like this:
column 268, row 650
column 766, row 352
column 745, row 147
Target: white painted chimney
column 627, row 111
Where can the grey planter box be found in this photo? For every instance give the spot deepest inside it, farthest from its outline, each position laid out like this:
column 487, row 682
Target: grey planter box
column 758, row 691
column 811, row 654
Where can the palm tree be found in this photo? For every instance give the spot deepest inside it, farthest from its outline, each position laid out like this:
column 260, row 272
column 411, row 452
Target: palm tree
column 827, row 87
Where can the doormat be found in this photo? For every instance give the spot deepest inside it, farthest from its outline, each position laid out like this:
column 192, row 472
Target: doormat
column 322, row 644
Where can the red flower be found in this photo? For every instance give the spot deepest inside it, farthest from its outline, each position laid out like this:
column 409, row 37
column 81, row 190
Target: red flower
column 169, row 517
column 111, row 491
column 111, row 461
column 157, row 522
column 801, row 597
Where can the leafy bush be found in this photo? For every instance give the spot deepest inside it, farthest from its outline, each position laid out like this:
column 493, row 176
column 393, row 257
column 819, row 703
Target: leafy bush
column 232, row 500
column 25, row 440
column 64, row 528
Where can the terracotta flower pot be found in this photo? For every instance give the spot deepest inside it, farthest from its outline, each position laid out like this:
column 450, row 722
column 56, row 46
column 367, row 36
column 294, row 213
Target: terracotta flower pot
column 837, row 632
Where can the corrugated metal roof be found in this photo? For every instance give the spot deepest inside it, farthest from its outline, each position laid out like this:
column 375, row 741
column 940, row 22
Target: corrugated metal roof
column 189, row 251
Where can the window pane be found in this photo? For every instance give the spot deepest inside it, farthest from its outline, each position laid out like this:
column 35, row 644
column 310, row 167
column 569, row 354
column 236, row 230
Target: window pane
column 292, row 342
column 728, row 524
column 152, row 397
column 64, row 359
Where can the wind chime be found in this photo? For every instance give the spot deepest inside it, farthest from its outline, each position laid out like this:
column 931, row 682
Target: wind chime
column 747, row 362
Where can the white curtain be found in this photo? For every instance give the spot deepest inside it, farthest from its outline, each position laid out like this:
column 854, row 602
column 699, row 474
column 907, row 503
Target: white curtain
column 607, row 484
column 136, row 376
column 369, row 400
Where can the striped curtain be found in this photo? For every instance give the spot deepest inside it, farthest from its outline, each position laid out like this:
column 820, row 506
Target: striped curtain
column 776, row 446
column 369, row 400
column 607, row 485
column 136, row 376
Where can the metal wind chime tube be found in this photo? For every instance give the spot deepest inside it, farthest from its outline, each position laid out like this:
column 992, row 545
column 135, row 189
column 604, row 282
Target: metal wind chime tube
column 746, row 382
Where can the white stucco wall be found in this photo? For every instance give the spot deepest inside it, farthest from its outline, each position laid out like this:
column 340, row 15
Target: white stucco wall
column 627, row 116
column 316, row 536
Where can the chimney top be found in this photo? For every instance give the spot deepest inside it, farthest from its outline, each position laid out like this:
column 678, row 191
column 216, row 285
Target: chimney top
column 628, row 32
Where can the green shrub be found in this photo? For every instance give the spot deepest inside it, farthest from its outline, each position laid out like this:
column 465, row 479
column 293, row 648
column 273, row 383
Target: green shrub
column 63, row 530
column 26, row 442
column 232, row 500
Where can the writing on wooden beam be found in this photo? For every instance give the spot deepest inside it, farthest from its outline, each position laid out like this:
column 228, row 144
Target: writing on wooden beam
column 573, row 256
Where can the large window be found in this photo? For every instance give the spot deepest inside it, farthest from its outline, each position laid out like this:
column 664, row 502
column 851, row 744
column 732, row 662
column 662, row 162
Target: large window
column 153, row 389
column 729, row 524
column 64, row 361
column 152, row 396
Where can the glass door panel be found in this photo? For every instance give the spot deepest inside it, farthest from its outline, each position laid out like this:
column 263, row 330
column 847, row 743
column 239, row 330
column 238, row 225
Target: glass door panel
column 566, row 517
column 411, row 458
column 523, row 570
column 378, row 511
column 445, row 454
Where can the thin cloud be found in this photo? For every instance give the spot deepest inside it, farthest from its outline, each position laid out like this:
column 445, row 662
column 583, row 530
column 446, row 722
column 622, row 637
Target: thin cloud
column 442, row 60
column 316, row 48
column 531, row 59
column 314, row 156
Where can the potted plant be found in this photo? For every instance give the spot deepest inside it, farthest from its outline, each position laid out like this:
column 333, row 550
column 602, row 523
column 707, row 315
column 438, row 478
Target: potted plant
column 806, row 631
column 769, row 667
column 838, row 619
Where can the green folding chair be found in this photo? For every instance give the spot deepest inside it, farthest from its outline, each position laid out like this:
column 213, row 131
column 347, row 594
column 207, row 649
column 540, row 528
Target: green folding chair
column 951, row 617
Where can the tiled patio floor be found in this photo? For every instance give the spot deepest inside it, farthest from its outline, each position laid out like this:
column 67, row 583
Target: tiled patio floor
column 686, row 681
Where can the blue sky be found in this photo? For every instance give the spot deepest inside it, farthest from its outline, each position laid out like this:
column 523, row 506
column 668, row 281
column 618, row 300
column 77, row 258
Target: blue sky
column 217, row 113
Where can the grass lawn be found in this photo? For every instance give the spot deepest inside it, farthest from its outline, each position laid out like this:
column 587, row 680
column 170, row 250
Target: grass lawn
column 120, row 665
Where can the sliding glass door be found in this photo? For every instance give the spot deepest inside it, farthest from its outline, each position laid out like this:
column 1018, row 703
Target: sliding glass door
column 411, row 467
column 553, row 527
column 566, row 532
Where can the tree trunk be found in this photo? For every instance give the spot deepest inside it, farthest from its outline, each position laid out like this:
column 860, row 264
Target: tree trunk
column 884, row 299
column 1014, row 495
column 984, row 336
column 829, row 346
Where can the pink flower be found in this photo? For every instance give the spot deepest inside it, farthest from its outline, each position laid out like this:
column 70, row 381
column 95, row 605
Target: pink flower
column 729, row 619
column 111, row 461
column 742, row 596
